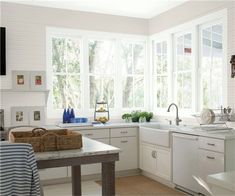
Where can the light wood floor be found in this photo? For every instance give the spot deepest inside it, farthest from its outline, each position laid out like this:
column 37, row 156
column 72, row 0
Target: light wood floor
column 141, row 185
column 131, row 186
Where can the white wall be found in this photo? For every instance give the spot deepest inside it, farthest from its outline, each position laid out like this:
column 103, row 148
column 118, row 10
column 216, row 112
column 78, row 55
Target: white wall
column 26, row 35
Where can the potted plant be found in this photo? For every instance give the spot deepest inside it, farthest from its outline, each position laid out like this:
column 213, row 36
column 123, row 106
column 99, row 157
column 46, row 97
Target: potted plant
column 126, row 117
column 147, row 115
column 135, row 115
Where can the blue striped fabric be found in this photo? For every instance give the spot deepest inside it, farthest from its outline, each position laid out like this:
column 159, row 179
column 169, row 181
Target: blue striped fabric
column 18, row 170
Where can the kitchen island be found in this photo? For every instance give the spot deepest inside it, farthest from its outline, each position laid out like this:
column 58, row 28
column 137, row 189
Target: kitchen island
column 91, row 152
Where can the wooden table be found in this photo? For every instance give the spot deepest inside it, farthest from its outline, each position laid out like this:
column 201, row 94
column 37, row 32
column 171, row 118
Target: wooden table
column 92, row 152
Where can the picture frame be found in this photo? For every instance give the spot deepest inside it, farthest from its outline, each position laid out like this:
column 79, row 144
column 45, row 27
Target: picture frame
column 20, row 80
column 37, row 115
column 19, row 116
column 37, row 80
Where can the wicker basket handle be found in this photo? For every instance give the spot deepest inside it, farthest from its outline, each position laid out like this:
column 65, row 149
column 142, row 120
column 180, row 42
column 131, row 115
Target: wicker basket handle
column 39, row 131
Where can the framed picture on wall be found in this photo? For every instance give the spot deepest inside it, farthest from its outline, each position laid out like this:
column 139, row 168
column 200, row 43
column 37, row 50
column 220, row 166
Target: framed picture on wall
column 19, row 116
column 20, row 80
column 37, row 115
column 38, row 80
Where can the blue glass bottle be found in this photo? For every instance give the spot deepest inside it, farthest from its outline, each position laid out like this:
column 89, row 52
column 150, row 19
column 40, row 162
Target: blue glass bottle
column 72, row 114
column 68, row 115
column 64, row 116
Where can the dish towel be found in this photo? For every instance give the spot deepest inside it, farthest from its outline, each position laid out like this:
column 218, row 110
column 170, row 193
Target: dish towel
column 18, row 170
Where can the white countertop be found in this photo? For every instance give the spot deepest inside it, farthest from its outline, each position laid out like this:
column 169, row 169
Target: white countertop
column 90, row 147
column 224, row 180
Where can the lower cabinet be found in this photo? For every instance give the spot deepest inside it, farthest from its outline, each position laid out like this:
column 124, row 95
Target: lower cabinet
column 155, row 160
column 209, row 163
column 128, row 157
column 53, row 173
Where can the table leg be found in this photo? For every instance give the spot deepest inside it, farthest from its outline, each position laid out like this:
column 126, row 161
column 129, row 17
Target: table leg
column 108, row 178
column 76, row 180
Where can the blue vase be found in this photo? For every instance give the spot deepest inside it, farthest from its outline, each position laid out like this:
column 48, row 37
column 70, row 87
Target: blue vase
column 72, row 114
column 64, row 116
column 67, row 115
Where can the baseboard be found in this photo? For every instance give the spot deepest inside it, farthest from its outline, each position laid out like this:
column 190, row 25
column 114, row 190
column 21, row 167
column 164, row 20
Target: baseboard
column 94, row 177
column 158, row 179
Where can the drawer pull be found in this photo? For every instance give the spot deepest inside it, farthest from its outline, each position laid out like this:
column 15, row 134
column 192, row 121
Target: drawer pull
column 88, row 134
column 209, row 157
column 123, row 131
column 210, row 144
column 154, row 154
column 124, row 141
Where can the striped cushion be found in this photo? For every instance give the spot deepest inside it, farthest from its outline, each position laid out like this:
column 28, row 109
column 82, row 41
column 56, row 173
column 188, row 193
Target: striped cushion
column 18, row 170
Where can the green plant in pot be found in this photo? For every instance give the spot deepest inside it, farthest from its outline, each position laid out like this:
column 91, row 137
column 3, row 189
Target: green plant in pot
column 126, row 117
column 135, row 115
column 147, row 115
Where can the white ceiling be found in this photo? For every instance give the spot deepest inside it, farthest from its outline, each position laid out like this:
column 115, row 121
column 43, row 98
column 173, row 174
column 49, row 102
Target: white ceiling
column 133, row 8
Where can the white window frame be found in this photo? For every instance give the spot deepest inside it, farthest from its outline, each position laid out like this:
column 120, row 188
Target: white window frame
column 85, row 94
column 133, row 75
column 194, row 26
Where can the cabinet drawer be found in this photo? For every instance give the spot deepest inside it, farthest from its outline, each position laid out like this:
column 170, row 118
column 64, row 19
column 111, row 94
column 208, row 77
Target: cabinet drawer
column 211, row 144
column 123, row 132
column 95, row 133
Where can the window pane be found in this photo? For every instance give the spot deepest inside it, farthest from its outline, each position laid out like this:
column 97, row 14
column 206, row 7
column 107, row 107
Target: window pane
column 73, row 93
column 59, row 91
column 138, row 58
column 58, row 54
column 161, row 70
column 139, row 91
column 127, row 99
column 101, row 56
column 183, row 85
column 211, row 68
column 73, row 56
column 101, row 88
column 126, row 57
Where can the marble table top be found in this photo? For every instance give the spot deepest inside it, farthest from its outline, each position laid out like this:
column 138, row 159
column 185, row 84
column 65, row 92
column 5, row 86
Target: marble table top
column 225, row 180
column 90, row 147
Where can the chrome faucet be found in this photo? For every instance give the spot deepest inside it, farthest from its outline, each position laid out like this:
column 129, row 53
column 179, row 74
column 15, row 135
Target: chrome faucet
column 177, row 120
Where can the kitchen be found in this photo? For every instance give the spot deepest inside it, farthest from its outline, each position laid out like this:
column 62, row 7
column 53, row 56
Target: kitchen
column 158, row 60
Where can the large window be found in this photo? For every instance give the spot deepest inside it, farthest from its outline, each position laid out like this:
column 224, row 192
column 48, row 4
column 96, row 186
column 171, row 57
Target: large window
column 132, row 56
column 101, row 71
column 183, row 70
column 86, row 67
column 211, row 58
column 160, row 71
column 189, row 65
column 66, row 62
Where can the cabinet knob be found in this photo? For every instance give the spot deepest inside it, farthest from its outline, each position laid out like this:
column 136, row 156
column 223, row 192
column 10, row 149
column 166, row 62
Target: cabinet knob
column 154, row 154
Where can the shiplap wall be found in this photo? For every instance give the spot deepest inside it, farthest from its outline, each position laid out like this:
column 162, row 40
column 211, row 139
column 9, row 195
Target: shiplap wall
column 26, row 46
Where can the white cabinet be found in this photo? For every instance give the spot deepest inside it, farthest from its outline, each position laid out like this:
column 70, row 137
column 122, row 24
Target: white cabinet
column 128, row 157
column 155, row 160
column 53, row 173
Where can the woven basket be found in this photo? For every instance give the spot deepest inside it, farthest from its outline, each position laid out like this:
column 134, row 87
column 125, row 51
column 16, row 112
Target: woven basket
column 44, row 140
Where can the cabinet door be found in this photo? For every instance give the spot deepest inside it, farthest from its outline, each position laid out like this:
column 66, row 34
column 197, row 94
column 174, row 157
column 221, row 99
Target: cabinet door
column 163, row 163
column 148, row 158
column 53, row 173
column 209, row 163
column 128, row 157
